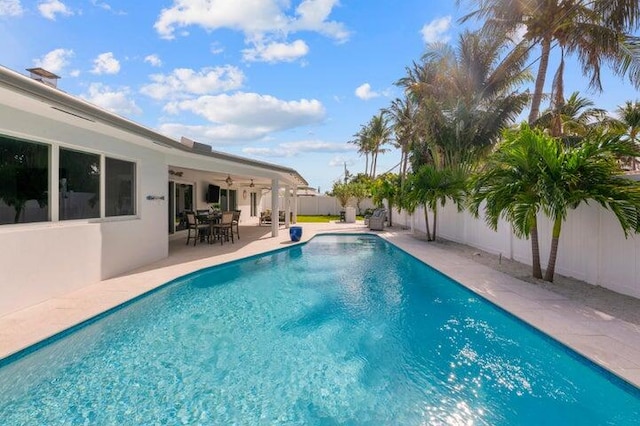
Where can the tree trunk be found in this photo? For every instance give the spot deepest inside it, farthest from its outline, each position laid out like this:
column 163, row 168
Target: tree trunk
column 535, row 251
column 426, row 222
column 374, row 161
column 389, row 207
column 366, row 164
column 405, row 160
column 435, row 221
column 542, row 74
column 551, row 266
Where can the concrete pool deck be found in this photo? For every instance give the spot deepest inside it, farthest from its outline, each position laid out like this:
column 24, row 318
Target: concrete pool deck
column 606, row 339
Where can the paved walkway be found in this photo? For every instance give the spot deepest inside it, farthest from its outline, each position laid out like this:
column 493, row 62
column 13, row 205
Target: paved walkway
column 609, row 341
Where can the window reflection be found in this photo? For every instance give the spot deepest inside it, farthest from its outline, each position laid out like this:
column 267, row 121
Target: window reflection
column 79, row 185
column 120, row 187
column 24, row 181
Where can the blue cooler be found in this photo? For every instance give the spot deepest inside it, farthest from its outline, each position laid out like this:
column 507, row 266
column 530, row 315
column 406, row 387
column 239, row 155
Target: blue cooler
column 295, row 232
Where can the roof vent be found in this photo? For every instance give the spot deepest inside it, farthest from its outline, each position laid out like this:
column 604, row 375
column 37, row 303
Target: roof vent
column 44, row 76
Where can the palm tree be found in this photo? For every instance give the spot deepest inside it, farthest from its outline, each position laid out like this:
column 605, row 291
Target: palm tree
column 576, row 118
column 363, row 142
column 627, row 125
column 430, row 186
column 379, row 134
column 532, row 172
column 466, row 95
column 588, row 172
column 403, row 114
column 509, row 185
column 386, row 187
column 596, row 31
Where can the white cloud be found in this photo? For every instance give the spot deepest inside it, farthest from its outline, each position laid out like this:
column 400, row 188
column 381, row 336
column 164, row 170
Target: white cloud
column 216, row 49
column 154, row 60
column 435, row 31
column 55, row 61
column 242, row 116
column 106, row 63
column 339, row 161
column 216, row 135
column 106, row 6
column 312, row 15
column 119, row 101
column 290, row 149
column 184, row 81
column 253, row 110
column 50, row 8
column 10, row 8
column 101, row 5
column 365, row 93
column 265, row 24
column 75, row 73
column 276, row 52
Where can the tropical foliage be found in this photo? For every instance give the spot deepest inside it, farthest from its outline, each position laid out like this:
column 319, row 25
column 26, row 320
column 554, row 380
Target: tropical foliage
column 460, row 104
column 431, row 186
column 595, row 31
column 531, row 172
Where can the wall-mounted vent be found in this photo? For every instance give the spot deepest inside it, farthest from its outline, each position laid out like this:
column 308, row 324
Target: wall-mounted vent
column 44, row 76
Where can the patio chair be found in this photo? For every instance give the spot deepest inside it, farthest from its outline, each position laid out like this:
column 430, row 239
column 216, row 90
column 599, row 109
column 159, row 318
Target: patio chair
column 193, row 226
column 377, row 220
column 223, row 229
column 265, row 217
column 235, row 222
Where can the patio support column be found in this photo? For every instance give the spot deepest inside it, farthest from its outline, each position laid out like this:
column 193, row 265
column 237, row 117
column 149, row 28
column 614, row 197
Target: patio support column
column 295, row 204
column 287, row 206
column 275, row 193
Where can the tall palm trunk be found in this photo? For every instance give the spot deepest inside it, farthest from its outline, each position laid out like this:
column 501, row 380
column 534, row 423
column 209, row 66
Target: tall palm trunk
column 555, row 238
column 405, row 160
column 426, row 221
column 542, row 74
column 374, row 163
column 535, row 250
column 366, row 164
column 435, row 221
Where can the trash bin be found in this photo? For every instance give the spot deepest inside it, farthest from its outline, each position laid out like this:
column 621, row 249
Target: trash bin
column 295, row 232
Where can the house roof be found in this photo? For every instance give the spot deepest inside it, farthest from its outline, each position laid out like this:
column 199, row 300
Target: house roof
column 74, row 106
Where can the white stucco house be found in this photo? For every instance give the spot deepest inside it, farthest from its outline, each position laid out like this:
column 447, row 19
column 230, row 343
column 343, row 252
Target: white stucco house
column 86, row 194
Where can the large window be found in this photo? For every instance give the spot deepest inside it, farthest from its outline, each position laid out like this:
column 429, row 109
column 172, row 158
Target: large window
column 27, row 173
column 120, row 197
column 79, row 185
column 24, row 181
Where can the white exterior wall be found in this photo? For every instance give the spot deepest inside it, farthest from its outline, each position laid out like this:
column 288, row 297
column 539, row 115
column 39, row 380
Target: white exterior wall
column 592, row 246
column 46, row 259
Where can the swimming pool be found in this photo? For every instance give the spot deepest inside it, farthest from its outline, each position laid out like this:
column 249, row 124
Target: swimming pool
column 344, row 329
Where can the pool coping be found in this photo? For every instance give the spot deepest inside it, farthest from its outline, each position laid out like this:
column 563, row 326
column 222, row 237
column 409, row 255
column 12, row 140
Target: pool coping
column 609, row 342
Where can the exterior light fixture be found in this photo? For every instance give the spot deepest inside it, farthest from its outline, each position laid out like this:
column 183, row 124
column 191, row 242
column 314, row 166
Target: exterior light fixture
column 251, row 185
column 229, row 180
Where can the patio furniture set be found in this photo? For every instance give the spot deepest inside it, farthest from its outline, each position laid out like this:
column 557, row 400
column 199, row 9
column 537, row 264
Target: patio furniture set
column 203, row 224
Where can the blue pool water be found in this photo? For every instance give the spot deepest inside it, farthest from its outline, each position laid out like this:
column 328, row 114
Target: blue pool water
column 342, row 330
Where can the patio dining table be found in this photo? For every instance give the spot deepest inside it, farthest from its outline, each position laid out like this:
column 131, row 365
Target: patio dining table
column 210, row 219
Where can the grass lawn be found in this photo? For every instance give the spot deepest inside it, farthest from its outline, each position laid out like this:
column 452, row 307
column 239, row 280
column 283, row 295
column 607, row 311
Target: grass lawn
column 321, row 218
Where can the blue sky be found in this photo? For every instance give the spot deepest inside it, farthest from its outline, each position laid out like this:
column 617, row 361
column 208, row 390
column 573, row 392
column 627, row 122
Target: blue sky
column 283, row 81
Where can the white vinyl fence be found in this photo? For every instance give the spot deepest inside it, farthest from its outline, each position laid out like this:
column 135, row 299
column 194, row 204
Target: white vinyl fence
column 592, row 246
column 318, row 205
